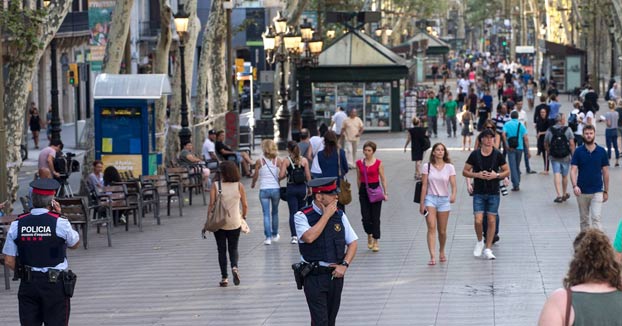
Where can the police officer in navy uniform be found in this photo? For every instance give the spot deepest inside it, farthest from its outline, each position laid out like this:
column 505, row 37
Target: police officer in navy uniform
column 326, row 241
column 40, row 239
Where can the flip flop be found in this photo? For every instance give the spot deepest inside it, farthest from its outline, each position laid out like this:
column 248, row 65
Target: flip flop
column 443, row 259
column 432, row 262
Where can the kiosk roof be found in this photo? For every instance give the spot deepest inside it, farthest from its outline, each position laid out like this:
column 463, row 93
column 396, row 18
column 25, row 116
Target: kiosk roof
column 145, row 86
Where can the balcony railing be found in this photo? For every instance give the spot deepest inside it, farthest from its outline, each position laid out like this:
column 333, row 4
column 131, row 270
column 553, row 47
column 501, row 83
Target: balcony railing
column 75, row 22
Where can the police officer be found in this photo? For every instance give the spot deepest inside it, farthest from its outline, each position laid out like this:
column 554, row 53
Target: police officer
column 40, row 239
column 327, row 242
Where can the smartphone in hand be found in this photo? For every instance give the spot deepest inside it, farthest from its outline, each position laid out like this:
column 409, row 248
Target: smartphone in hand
column 425, row 213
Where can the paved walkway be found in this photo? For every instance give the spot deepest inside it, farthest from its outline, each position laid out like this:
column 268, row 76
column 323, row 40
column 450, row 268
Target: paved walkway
column 168, row 274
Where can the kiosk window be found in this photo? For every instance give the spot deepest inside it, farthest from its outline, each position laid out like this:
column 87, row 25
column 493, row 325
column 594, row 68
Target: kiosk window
column 123, row 128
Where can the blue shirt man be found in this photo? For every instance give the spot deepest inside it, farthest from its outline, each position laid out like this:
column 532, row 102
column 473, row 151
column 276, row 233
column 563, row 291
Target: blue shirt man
column 589, row 175
column 514, row 128
column 554, row 107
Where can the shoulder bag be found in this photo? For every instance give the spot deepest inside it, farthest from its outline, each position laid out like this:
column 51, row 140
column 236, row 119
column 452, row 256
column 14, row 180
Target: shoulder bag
column 568, row 306
column 345, row 193
column 419, row 188
column 217, row 217
column 513, row 141
column 373, row 194
column 282, row 190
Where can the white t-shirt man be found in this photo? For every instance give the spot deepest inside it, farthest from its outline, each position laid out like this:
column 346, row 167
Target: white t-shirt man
column 208, row 147
column 580, row 120
column 337, row 121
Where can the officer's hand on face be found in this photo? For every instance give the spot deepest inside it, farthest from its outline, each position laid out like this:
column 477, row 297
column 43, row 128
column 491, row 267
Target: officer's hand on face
column 340, row 270
column 331, row 208
column 55, row 206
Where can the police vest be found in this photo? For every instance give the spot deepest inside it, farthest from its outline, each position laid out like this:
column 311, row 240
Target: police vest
column 37, row 242
column 330, row 246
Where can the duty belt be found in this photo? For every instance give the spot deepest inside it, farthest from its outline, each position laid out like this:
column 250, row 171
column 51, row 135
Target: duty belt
column 52, row 275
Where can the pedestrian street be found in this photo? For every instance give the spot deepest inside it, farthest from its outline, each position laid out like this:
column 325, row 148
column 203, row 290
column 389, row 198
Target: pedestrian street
column 168, row 274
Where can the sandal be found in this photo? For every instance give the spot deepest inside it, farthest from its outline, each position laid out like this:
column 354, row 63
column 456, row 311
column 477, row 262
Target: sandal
column 224, row 283
column 236, row 276
column 565, row 197
column 443, row 259
column 432, row 262
column 558, row 200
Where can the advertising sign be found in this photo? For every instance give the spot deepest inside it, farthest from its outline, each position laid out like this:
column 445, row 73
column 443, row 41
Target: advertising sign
column 100, row 18
column 132, row 163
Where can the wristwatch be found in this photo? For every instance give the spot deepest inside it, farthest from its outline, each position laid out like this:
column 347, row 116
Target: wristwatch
column 345, row 263
column 497, row 175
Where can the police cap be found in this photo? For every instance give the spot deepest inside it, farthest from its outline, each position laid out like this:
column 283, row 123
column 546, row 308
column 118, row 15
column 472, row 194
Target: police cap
column 324, row 185
column 45, row 187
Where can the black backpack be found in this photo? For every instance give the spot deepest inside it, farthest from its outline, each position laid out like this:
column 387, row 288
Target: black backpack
column 297, row 173
column 573, row 122
column 560, row 146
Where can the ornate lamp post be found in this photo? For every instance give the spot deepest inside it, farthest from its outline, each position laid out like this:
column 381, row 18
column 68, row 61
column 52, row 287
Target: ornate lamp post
column 277, row 42
column 55, row 121
column 310, row 49
column 181, row 25
column 283, row 44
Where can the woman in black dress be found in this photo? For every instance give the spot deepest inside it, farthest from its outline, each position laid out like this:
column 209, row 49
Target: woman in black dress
column 34, row 122
column 416, row 136
column 542, row 125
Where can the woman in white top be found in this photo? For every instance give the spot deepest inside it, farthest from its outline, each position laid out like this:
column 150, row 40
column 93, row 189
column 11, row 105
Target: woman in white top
column 269, row 189
column 437, row 176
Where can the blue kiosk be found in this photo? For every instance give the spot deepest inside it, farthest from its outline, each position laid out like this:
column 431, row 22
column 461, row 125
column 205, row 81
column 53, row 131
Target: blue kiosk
column 125, row 121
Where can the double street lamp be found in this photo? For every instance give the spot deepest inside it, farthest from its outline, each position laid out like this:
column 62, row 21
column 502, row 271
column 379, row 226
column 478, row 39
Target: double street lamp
column 181, row 25
column 282, row 44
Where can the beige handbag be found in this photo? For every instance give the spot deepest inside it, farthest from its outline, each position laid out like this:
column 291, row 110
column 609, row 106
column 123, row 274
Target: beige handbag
column 244, row 227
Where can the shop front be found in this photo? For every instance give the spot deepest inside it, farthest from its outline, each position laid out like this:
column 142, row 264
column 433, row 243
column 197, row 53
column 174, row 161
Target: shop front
column 357, row 72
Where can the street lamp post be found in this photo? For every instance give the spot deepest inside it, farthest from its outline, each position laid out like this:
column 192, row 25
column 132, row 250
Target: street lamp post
column 181, row 25
column 284, row 44
column 55, row 121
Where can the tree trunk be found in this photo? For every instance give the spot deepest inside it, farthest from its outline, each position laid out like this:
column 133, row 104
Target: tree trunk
column 293, row 11
column 160, row 64
column 115, row 52
column 216, row 68
column 174, row 119
column 117, row 37
column 194, row 26
column 21, row 68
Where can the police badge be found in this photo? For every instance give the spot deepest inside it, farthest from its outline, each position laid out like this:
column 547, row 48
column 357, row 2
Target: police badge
column 337, row 227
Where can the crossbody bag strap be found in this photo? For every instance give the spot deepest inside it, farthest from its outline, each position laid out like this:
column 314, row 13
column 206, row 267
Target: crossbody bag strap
column 339, row 163
column 365, row 169
column 568, row 306
column 266, row 164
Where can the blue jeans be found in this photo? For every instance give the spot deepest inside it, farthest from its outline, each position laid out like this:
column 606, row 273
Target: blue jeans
column 514, row 157
column 295, row 202
column 483, row 203
column 270, row 197
column 527, row 166
column 611, row 138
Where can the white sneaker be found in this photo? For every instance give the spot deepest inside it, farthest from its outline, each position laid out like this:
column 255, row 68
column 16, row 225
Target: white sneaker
column 294, row 240
column 479, row 246
column 267, row 241
column 488, row 254
column 276, row 238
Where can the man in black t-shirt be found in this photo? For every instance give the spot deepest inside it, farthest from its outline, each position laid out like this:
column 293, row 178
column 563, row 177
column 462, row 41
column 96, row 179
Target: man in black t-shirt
column 230, row 155
column 486, row 166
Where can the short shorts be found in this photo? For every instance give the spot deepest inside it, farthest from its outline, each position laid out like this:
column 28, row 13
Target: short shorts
column 441, row 203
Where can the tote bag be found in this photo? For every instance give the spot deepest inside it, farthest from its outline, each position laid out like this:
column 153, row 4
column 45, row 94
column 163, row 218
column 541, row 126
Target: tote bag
column 217, row 217
column 418, row 188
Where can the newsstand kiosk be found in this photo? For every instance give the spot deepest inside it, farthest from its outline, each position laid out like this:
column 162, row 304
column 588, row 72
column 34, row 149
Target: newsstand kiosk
column 125, row 121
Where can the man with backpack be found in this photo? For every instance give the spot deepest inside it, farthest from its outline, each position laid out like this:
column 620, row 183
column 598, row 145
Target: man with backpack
column 559, row 144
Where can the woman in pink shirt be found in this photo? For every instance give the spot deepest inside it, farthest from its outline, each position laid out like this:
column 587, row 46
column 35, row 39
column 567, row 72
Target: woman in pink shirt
column 436, row 198
column 370, row 173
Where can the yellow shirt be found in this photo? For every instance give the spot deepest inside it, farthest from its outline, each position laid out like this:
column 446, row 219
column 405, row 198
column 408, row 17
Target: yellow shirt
column 351, row 127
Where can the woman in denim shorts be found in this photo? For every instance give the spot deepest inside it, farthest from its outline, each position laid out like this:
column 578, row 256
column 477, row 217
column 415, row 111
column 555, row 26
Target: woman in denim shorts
column 436, row 198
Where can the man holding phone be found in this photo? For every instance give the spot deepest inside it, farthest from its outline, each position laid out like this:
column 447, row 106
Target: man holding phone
column 486, row 166
column 40, row 239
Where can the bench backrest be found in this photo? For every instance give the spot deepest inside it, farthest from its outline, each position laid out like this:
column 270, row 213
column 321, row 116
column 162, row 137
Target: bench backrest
column 73, row 209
